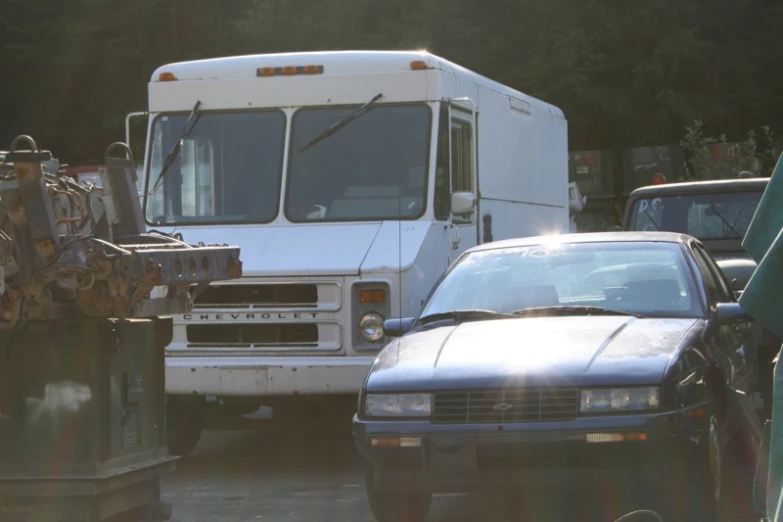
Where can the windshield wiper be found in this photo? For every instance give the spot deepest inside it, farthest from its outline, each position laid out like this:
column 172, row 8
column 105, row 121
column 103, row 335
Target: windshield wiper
column 573, row 310
column 457, row 315
column 342, row 123
column 725, row 221
column 194, row 114
column 656, row 225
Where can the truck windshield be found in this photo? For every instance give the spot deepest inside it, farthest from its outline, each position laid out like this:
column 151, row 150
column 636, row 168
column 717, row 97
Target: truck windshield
column 373, row 168
column 228, row 169
column 704, row 216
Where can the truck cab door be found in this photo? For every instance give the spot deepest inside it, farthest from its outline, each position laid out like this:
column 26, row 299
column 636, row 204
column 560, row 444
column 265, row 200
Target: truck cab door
column 455, row 179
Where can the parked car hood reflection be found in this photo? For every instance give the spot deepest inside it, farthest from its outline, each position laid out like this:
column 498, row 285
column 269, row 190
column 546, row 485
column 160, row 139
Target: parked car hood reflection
column 581, row 350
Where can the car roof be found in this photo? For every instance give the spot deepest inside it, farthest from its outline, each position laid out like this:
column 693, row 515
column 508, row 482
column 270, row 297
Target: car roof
column 586, row 237
column 695, row 187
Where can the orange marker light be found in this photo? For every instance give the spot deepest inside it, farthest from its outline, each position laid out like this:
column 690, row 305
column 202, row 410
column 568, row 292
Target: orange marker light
column 604, row 437
column 166, row 77
column 312, row 69
column 658, row 179
column 371, row 296
column 419, row 65
column 265, row 71
column 698, row 412
column 288, row 70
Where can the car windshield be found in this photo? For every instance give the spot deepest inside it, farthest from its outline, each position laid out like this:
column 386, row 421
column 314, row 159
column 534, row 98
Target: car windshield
column 704, row 216
column 373, row 168
column 227, row 171
column 646, row 278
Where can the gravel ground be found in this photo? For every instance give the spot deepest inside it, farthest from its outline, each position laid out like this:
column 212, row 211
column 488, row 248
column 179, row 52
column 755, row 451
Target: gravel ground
column 244, row 477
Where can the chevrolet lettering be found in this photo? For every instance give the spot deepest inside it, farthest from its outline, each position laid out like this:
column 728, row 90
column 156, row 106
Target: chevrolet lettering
column 250, row 316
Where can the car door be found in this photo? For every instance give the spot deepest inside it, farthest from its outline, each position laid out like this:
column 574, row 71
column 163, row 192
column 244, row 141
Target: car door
column 733, row 341
column 741, row 333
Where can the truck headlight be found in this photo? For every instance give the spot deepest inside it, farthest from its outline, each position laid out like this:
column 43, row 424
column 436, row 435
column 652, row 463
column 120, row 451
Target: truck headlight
column 398, row 405
column 600, row 400
column 371, row 326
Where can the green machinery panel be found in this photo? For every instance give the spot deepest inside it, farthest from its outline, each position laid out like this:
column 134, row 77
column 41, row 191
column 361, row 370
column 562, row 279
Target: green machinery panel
column 82, row 419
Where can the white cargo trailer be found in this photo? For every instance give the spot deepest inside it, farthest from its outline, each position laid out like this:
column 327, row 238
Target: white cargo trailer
column 350, row 180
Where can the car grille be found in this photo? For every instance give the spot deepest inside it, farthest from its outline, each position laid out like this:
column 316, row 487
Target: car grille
column 265, row 295
column 303, row 335
column 489, row 406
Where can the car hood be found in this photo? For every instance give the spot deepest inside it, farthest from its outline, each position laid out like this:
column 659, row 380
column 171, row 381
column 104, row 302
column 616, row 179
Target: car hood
column 562, row 351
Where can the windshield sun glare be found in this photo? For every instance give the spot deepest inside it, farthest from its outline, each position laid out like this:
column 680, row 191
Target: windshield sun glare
column 636, row 278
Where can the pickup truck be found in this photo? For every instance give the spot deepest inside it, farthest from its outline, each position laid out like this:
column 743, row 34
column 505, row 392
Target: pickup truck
column 718, row 213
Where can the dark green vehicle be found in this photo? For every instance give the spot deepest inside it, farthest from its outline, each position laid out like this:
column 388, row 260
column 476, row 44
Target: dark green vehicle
column 718, row 213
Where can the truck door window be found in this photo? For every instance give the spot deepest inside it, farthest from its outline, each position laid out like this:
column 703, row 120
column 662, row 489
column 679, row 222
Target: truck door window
column 442, row 181
column 461, row 156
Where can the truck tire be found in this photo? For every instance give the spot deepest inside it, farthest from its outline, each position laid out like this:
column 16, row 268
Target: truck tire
column 184, row 424
column 395, row 506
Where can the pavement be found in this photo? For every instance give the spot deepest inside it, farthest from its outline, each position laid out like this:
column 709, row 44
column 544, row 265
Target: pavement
column 253, row 477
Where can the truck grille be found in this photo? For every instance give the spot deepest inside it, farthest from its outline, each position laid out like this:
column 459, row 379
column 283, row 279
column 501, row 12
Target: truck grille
column 269, row 295
column 238, row 334
column 491, row 406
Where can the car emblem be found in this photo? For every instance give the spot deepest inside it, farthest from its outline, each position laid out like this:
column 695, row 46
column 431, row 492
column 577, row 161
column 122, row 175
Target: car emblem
column 503, row 406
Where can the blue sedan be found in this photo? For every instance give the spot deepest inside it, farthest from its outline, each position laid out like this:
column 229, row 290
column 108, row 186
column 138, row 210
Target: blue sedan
column 618, row 358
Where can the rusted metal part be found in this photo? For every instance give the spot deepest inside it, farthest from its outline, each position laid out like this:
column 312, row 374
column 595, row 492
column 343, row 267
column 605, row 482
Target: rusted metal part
column 119, row 181
column 76, row 246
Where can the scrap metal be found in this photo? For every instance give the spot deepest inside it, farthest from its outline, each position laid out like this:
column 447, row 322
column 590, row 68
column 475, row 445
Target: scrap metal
column 72, row 249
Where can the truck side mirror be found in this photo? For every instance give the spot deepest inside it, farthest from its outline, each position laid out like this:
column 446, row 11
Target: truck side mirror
column 462, row 203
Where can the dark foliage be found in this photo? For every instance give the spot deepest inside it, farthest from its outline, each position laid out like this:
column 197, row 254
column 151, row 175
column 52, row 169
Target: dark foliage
column 626, row 73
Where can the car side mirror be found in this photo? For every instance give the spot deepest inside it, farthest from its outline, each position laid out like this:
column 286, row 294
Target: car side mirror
column 398, row 327
column 462, row 203
column 730, row 313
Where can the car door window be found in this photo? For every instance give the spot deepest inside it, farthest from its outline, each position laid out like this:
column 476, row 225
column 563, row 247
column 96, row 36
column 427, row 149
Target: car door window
column 725, row 294
column 710, row 284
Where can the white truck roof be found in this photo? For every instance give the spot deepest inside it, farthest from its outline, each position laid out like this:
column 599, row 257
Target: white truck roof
column 334, row 63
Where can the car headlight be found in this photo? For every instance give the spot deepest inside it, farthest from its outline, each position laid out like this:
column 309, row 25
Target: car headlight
column 398, row 405
column 599, row 400
column 371, row 326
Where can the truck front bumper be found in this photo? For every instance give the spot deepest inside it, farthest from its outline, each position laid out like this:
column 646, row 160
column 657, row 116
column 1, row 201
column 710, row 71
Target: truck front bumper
column 264, row 376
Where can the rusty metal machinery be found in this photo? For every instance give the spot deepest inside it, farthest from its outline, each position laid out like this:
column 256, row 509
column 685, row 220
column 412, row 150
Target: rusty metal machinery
column 68, row 247
column 82, row 394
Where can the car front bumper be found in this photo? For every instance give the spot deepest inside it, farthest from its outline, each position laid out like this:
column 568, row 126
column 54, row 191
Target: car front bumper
column 476, row 457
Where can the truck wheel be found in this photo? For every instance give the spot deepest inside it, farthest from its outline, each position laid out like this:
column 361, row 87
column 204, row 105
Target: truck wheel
column 395, row 506
column 184, row 424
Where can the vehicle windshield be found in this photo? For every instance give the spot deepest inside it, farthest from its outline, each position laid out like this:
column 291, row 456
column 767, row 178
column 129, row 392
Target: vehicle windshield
column 373, row 168
column 704, row 216
column 650, row 279
column 227, row 171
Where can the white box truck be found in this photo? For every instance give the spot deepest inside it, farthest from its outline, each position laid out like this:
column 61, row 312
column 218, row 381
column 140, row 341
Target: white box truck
column 350, row 180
